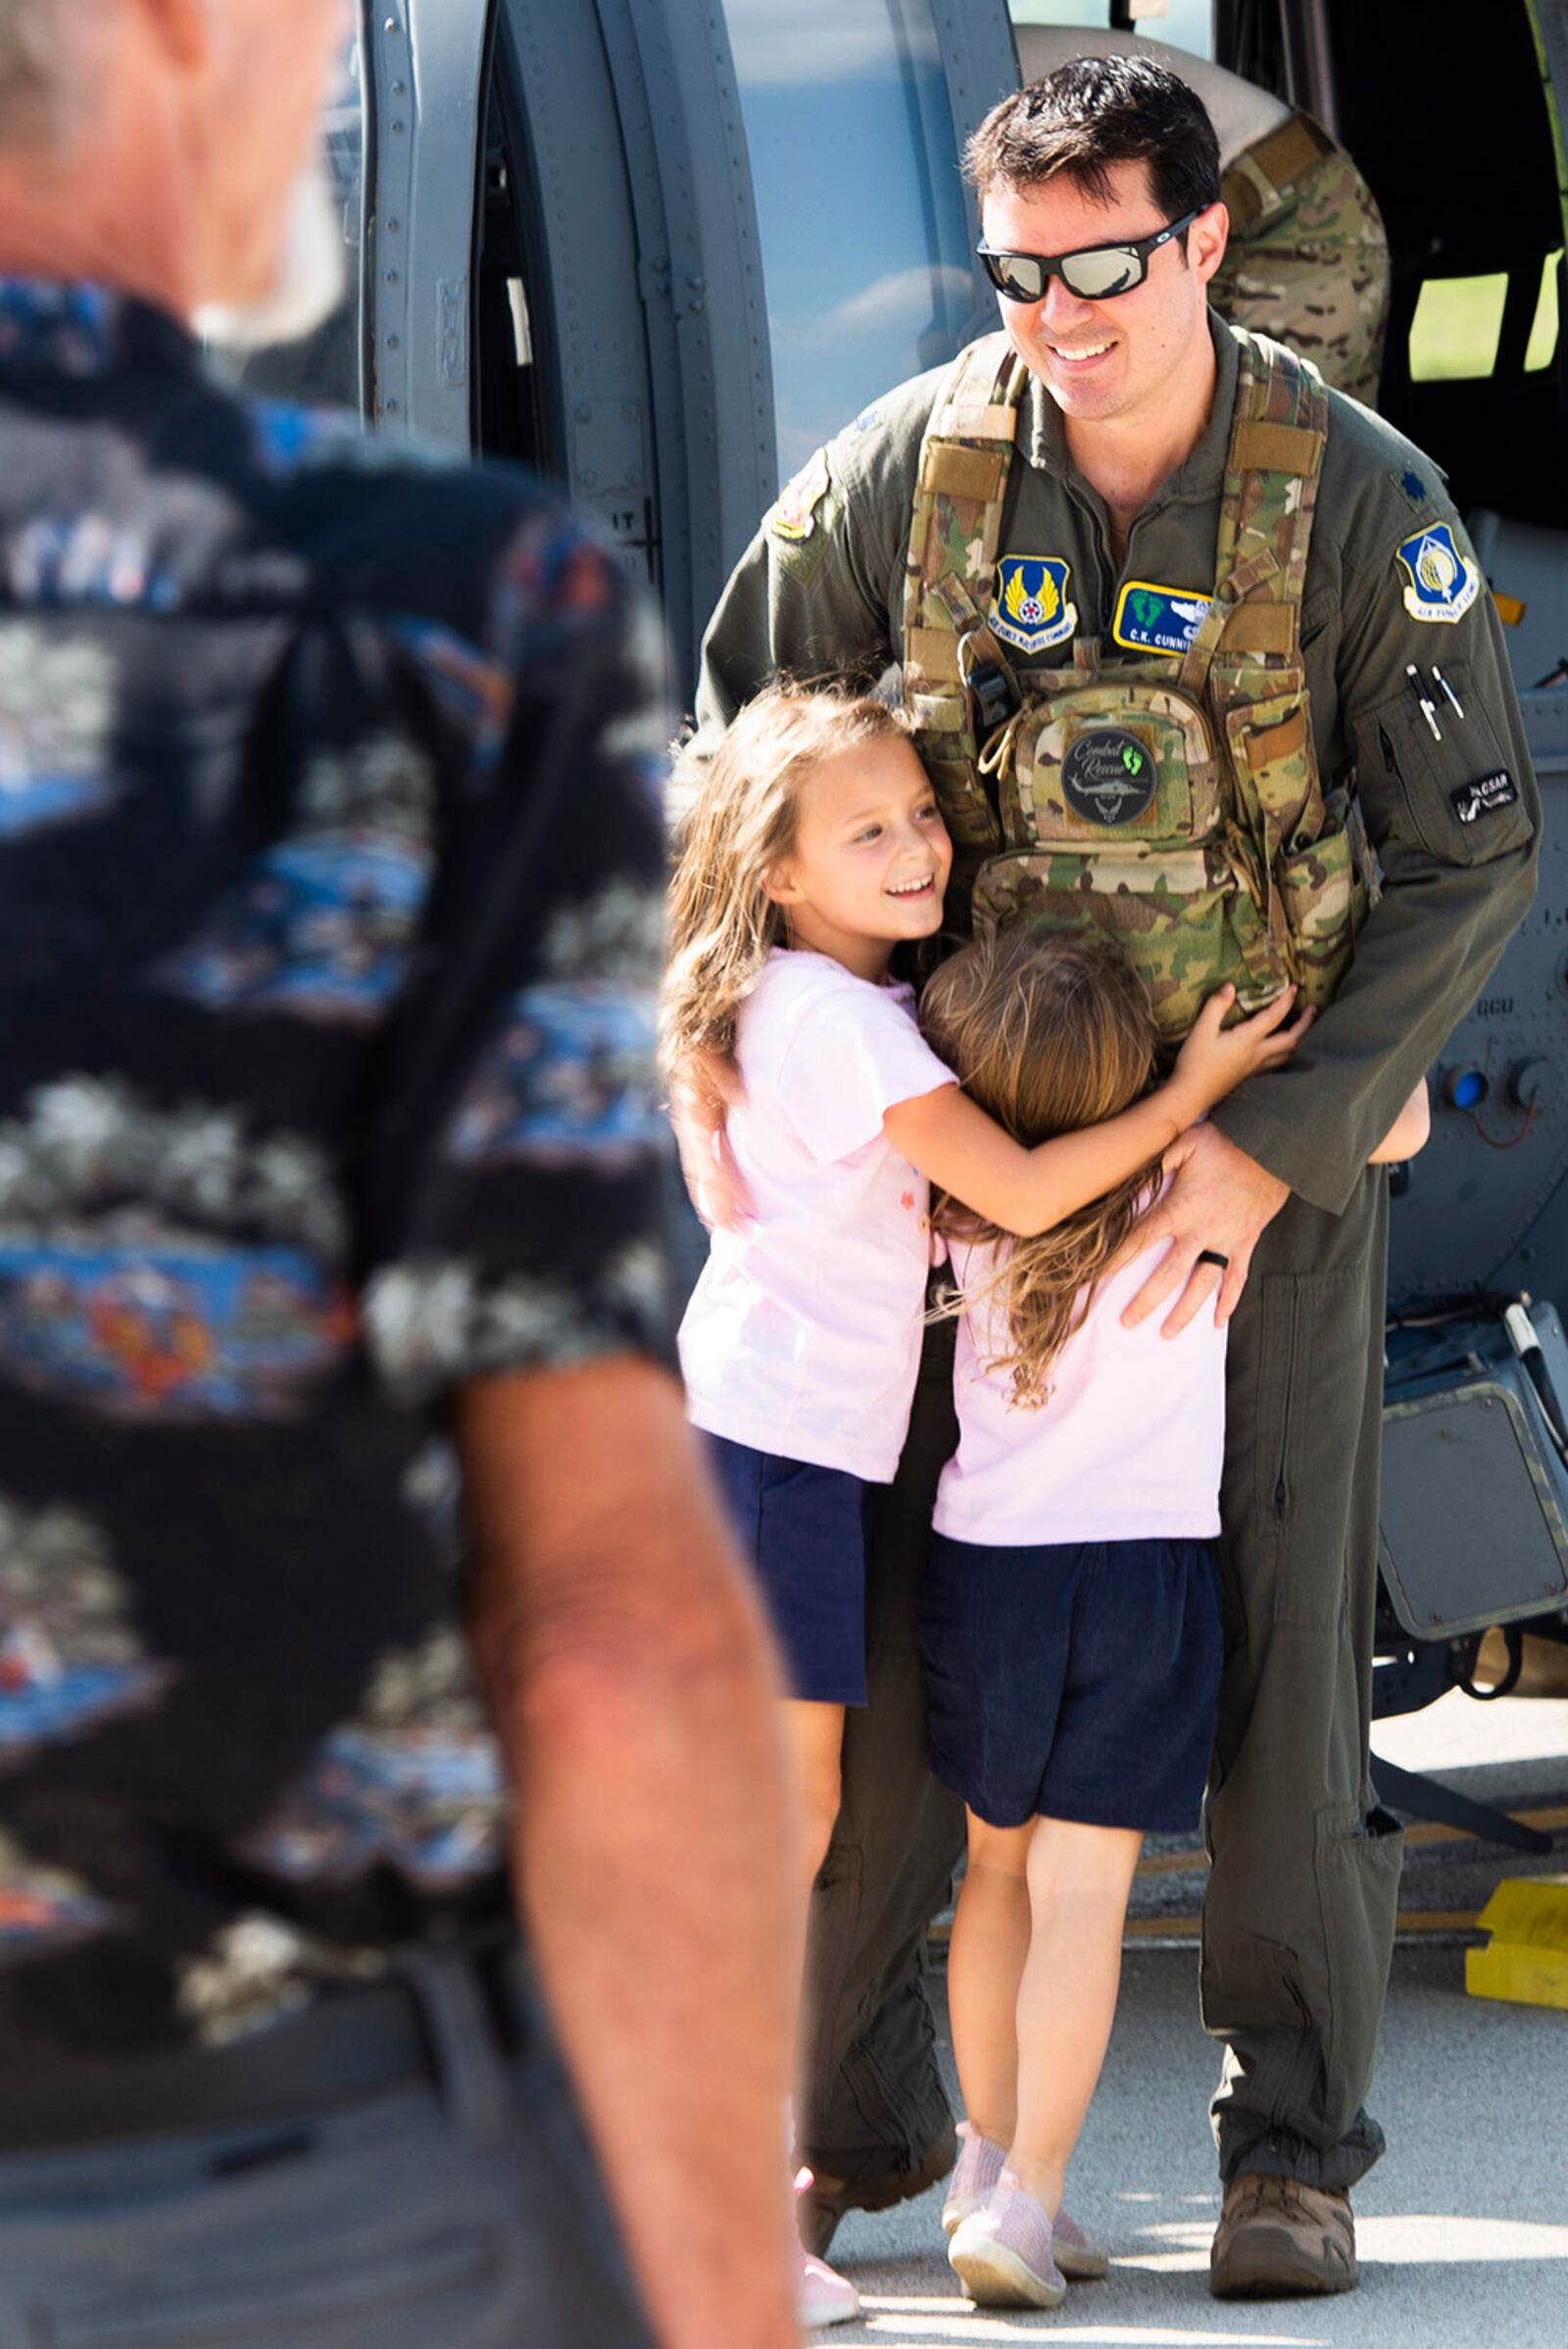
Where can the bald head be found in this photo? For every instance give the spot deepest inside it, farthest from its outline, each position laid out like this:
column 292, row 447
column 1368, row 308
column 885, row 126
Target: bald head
column 35, row 74
column 156, row 146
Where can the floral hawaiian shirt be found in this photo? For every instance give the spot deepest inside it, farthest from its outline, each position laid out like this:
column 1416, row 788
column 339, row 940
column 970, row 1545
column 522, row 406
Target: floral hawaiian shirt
column 330, row 898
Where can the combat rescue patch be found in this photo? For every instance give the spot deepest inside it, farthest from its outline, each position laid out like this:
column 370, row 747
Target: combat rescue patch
column 794, row 513
column 1443, row 583
column 1484, row 796
column 1158, row 619
column 1030, row 607
column 1108, row 776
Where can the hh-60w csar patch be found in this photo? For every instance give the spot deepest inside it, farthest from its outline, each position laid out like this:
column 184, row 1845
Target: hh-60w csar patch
column 1442, row 582
column 1484, row 796
column 1158, row 619
column 1030, row 607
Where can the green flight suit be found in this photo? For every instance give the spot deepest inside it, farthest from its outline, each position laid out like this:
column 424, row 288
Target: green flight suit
column 1300, row 1915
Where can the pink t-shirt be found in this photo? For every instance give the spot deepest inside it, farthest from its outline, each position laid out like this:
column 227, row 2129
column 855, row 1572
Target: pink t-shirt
column 1127, row 1446
column 802, row 1336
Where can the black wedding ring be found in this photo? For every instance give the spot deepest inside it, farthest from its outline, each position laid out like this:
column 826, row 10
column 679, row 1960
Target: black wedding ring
column 1210, row 1255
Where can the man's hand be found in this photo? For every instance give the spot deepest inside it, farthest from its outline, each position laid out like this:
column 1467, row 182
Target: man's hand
column 702, row 1094
column 1219, row 1202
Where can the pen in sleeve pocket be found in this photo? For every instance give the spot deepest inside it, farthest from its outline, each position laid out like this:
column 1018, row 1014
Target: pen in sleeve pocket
column 1427, row 709
column 1454, row 700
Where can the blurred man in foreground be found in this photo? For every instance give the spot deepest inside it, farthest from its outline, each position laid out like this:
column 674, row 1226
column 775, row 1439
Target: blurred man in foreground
column 330, row 866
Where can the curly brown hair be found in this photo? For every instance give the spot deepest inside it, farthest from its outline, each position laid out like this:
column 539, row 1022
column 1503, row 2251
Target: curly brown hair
column 1047, row 1034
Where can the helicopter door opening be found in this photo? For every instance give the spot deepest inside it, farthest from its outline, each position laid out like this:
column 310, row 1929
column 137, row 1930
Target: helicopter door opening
column 516, row 408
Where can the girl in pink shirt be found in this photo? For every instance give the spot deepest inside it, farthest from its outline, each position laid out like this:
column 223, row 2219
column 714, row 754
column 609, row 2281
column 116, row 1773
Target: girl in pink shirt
column 815, row 847
column 1069, row 1612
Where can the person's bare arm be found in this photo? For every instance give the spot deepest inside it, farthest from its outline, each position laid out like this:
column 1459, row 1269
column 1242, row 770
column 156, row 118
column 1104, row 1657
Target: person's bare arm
column 1024, row 1190
column 1411, row 1131
column 633, row 1688
column 702, row 1093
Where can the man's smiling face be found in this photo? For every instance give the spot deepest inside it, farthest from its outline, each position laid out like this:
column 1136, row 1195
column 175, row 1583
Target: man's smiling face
column 1116, row 358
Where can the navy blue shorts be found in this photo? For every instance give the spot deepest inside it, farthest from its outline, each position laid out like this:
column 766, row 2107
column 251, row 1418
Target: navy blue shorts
column 804, row 1528
column 1073, row 1681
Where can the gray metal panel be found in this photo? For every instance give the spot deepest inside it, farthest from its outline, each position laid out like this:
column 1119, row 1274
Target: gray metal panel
column 701, row 273
column 1473, row 1529
column 425, row 60
column 980, row 60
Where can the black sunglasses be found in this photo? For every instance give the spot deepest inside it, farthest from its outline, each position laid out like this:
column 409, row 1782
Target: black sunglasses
column 1095, row 274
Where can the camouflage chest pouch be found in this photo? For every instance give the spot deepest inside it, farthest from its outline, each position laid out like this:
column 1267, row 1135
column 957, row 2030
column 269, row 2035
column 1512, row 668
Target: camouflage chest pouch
column 1113, row 810
column 1173, row 805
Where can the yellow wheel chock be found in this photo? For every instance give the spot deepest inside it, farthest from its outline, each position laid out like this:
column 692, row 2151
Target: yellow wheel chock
column 1526, row 1962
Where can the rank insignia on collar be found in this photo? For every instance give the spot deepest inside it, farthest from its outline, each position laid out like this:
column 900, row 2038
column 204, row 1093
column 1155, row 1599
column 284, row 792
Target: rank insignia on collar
column 793, row 514
column 1440, row 581
column 1158, row 619
column 1030, row 606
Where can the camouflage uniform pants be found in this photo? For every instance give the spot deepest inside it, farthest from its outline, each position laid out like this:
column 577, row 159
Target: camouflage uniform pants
column 1299, row 1921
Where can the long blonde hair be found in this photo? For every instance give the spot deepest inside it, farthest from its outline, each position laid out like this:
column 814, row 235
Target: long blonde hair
column 1047, row 1034
column 722, row 924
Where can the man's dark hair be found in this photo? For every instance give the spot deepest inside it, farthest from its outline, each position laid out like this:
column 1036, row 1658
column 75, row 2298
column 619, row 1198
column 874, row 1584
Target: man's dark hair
column 1091, row 114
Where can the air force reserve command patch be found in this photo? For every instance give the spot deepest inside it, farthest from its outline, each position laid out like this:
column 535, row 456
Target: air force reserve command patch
column 1030, row 607
column 1158, row 619
column 794, row 513
column 1440, row 581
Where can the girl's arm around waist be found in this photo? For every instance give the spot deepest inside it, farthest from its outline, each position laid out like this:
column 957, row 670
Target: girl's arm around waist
column 950, row 1140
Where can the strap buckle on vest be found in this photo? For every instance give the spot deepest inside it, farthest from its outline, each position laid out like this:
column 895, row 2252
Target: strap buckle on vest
column 989, row 686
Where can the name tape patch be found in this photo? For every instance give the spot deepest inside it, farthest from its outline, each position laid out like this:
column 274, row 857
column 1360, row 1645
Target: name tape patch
column 1149, row 619
column 1484, row 796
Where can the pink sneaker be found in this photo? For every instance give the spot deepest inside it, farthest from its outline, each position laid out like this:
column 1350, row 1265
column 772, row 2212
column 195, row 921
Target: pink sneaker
column 822, row 2296
column 979, row 2168
column 1001, row 2252
column 1081, row 2258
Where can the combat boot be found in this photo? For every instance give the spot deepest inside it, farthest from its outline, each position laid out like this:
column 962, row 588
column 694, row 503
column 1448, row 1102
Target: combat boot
column 1278, row 2236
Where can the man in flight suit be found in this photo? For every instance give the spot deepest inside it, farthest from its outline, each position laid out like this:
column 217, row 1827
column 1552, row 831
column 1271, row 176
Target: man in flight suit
column 1117, row 481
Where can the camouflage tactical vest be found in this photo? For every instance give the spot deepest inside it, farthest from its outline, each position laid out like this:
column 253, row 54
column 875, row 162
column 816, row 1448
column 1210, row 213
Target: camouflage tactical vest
column 1172, row 802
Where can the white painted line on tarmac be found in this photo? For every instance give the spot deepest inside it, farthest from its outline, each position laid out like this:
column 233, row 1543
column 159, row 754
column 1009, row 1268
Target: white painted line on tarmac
column 896, row 2319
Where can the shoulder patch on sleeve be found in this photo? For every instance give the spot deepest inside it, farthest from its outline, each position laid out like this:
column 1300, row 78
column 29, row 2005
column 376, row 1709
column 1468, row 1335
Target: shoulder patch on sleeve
column 1442, row 577
column 795, row 512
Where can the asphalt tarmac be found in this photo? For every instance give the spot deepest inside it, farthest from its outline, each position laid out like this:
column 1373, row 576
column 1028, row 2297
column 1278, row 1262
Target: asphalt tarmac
column 1464, row 2227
